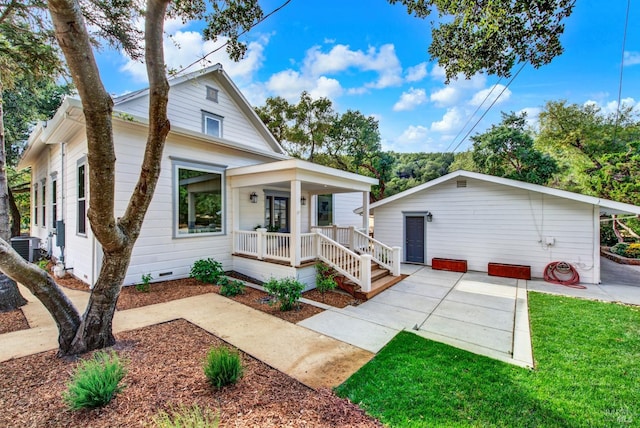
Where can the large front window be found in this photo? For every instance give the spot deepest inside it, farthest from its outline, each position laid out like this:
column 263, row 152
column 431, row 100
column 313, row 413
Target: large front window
column 199, row 199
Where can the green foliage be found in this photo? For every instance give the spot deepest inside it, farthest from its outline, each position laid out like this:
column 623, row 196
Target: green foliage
column 325, row 279
column 492, row 36
column 624, row 249
column 95, row 381
column 607, row 235
column 206, row 270
column 187, row 417
column 222, row 367
column 144, row 285
column 230, row 288
column 507, row 150
column 287, row 291
column 586, row 375
column 413, row 169
column 42, row 264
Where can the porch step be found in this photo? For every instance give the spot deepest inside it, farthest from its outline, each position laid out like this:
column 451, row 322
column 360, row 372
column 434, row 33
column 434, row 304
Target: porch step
column 381, row 279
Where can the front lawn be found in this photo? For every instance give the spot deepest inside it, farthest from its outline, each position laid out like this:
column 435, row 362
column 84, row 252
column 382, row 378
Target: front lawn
column 587, row 374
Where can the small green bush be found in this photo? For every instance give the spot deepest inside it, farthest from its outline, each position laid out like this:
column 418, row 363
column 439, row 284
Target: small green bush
column 144, row 284
column 287, row 291
column 222, row 367
column 95, row 381
column 42, row 264
column 324, row 278
column 624, row 249
column 207, row 271
column 187, row 417
column 620, row 248
column 230, row 288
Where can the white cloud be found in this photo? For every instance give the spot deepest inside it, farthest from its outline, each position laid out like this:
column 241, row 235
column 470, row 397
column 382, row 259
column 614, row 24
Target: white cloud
column 384, row 62
column 496, row 92
column 410, row 100
column 533, row 114
column 182, row 48
column 416, row 73
column 451, row 121
column 289, row 84
column 610, row 107
column 446, row 96
column 413, row 139
column 631, row 58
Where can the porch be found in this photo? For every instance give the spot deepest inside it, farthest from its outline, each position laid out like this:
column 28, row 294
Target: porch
column 363, row 263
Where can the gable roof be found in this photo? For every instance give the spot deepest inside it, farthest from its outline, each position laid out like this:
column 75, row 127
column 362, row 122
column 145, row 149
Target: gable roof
column 228, row 85
column 612, row 206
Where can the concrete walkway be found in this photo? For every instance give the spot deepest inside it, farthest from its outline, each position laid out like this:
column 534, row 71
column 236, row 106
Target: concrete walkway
column 312, row 358
column 472, row 311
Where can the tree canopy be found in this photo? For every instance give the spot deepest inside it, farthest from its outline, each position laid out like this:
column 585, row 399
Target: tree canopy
column 492, row 35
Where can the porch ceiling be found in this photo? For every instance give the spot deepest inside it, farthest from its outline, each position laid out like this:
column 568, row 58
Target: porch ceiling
column 314, row 178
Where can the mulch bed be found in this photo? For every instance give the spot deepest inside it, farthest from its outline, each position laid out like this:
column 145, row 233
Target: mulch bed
column 335, row 298
column 12, row 321
column 165, row 370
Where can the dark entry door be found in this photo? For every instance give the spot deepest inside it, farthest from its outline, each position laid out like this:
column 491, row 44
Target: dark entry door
column 414, row 235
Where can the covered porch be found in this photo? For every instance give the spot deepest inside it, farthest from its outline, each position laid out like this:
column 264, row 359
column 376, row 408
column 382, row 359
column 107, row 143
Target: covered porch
column 278, row 215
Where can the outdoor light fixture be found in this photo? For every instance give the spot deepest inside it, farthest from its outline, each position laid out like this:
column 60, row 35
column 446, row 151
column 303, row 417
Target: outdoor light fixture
column 253, row 197
column 303, row 201
column 429, row 217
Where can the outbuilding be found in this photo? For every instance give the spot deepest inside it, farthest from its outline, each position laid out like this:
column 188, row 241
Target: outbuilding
column 483, row 219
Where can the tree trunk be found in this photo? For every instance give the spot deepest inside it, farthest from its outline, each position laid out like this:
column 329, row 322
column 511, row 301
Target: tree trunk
column 10, row 297
column 95, row 330
column 15, row 215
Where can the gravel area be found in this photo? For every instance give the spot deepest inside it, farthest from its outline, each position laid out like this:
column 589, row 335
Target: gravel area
column 12, row 321
column 164, row 371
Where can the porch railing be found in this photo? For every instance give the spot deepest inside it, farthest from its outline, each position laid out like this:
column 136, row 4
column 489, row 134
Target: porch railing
column 272, row 245
column 340, row 234
column 385, row 256
column 356, row 267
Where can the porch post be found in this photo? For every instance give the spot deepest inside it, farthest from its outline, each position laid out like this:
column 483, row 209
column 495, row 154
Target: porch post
column 235, row 209
column 296, row 223
column 365, row 212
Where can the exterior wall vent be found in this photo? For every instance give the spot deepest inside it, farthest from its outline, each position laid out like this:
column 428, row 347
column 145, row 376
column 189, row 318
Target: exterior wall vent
column 461, row 183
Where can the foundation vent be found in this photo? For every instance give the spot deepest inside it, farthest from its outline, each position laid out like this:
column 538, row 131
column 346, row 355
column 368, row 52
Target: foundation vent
column 461, row 183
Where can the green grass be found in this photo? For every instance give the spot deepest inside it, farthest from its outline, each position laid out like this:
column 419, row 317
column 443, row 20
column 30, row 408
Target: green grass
column 587, row 375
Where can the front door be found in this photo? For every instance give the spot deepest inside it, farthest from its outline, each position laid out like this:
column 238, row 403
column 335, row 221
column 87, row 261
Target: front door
column 414, row 239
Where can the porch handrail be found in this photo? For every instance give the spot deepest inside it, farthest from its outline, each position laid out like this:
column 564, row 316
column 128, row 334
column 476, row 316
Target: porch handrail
column 246, row 242
column 277, row 246
column 385, row 256
column 307, row 247
column 354, row 266
column 340, row 234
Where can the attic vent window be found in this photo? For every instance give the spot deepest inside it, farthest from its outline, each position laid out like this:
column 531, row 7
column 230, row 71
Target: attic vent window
column 461, row 183
column 212, row 94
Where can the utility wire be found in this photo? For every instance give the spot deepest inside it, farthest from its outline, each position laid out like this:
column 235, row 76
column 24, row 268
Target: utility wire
column 473, row 115
column 261, row 20
column 624, row 43
column 489, row 108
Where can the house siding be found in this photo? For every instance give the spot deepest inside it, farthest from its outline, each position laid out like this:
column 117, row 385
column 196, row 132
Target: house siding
column 187, row 100
column 486, row 222
column 343, row 206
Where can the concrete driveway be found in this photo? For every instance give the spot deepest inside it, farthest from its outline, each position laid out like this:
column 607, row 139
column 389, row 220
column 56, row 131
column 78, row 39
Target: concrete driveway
column 472, row 311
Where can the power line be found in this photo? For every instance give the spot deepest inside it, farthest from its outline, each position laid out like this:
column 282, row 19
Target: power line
column 473, row 115
column 261, row 20
column 489, row 108
column 624, row 43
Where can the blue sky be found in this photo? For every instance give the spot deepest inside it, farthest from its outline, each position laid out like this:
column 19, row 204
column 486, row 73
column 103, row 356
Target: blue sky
column 372, row 56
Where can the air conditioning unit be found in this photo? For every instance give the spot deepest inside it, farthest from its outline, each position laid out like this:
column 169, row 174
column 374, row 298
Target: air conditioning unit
column 27, row 246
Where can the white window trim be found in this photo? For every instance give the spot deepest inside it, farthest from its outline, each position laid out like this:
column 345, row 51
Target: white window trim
column 79, row 163
column 205, row 167
column 208, row 115
column 43, row 202
column 212, row 94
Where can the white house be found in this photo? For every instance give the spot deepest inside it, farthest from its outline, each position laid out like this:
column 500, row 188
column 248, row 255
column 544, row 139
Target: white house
column 223, row 175
column 484, row 219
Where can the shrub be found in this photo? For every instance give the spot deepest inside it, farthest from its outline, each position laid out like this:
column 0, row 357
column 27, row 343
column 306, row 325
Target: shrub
column 324, row 279
column 620, row 249
column 230, row 288
column 95, row 381
column 633, row 251
column 206, row 270
column 187, row 417
column 144, row 285
column 42, row 264
column 287, row 291
column 222, row 367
